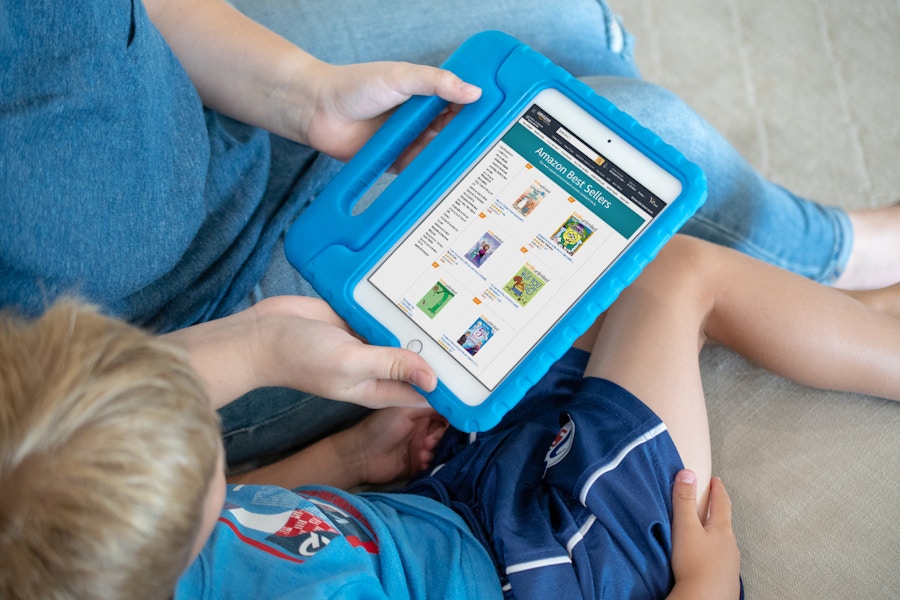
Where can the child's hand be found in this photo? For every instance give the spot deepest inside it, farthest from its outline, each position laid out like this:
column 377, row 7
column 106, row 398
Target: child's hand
column 389, row 445
column 393, row 443
column 705, row 557
column 351, row 101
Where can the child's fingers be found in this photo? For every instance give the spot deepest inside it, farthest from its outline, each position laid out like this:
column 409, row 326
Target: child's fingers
column 425, row 458
column 719, row 505
column 437, row 427
column 684, row 499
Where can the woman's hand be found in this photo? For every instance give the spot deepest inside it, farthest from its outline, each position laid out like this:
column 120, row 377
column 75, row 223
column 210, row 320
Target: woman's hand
column 247, row 72
column 298, row 342
column 338, row 108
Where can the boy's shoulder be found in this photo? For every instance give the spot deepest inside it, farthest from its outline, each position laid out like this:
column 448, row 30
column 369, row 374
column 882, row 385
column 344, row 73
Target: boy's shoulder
column 320, row 542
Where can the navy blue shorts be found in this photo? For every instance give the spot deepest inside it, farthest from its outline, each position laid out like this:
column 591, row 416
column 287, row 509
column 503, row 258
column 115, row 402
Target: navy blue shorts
column 571, row 493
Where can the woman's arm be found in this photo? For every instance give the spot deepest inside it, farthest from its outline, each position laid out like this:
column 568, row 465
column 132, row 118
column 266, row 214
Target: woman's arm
column 300, row 343
column 235, row 63
column 250, row 73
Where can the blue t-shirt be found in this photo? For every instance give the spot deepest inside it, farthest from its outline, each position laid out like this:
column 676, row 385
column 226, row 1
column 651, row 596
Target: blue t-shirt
column 316, row 543
column 116, row 184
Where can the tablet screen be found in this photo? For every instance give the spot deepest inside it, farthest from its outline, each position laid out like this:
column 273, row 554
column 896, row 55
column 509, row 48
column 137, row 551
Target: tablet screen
column 521, row 236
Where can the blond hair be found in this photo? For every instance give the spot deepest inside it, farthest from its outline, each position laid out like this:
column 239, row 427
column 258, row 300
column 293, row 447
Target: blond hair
column 107, row 447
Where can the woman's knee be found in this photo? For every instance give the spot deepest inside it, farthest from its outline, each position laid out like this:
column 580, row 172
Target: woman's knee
column 661, row 111
column 584, row 36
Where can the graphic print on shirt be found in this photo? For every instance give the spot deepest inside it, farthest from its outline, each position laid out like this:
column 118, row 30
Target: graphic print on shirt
column 561, row 445
column 298, row 533
column 347, row 519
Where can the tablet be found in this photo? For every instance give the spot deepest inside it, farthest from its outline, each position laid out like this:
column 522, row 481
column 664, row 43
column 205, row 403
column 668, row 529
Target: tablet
column 490, row 261
column 515, row 243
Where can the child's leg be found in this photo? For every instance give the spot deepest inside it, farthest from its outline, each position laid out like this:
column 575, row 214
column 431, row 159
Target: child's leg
column 649, row 339
column 886, row 300
column 648, row 342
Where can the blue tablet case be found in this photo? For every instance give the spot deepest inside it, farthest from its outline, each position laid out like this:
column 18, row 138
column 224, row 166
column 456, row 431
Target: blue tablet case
column 510, row 75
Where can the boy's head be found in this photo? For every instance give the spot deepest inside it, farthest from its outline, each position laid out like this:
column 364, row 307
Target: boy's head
column 107, row 447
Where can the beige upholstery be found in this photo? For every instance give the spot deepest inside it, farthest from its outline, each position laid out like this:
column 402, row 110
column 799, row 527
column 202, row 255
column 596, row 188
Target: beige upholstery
column 809, row 92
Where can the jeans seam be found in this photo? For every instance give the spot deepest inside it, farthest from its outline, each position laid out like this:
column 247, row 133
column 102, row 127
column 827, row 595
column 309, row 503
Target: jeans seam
column 259, row 424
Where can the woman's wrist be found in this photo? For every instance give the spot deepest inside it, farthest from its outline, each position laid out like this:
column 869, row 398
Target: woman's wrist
column 292, row 94
column 225, row 354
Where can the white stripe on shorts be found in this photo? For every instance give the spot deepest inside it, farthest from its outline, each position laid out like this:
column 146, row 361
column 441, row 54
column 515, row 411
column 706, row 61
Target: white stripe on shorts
column 537, row 564
column 611, row 465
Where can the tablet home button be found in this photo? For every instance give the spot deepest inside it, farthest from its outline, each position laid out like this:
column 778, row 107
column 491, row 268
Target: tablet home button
column 415, row 346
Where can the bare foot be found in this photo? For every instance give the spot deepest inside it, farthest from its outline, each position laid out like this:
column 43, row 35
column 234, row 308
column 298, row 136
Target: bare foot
column 875, row 258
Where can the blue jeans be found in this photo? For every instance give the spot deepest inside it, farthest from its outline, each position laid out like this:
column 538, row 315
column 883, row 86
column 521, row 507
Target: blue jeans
column 743, row 211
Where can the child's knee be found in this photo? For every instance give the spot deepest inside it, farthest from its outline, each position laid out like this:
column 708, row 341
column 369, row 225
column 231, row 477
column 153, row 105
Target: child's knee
column 682, row 266
column 676, row 258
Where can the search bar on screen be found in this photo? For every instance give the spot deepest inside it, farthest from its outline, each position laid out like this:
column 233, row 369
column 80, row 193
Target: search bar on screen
column 591, row 154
